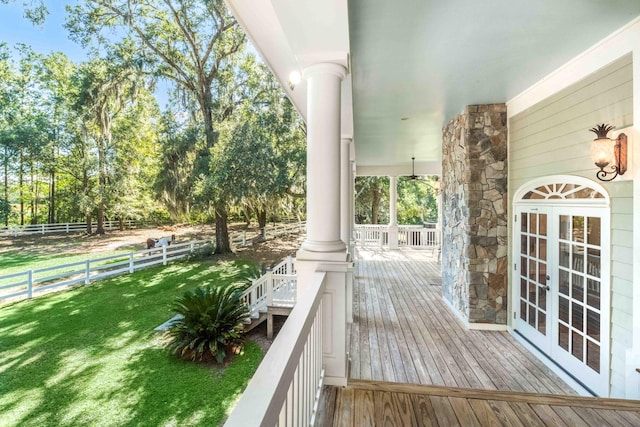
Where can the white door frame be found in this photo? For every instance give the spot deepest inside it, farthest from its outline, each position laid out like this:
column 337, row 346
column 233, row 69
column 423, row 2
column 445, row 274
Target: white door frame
column 553, row 199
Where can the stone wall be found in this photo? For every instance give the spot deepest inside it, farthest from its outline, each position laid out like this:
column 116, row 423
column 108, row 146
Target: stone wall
column 474, row 184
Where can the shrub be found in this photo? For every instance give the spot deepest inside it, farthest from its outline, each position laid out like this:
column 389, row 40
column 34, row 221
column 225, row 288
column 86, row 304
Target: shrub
column 212, row 326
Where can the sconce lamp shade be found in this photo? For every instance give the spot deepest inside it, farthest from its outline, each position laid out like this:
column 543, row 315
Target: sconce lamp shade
column 602, row 152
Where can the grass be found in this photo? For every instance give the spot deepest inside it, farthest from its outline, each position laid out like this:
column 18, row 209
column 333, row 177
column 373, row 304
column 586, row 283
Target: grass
column 18, row 261
column 89, row 356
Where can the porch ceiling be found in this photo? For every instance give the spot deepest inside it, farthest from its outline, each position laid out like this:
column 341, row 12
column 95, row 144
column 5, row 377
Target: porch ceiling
column 423, row 60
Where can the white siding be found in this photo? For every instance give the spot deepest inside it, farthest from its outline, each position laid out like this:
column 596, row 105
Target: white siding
column 552, row 138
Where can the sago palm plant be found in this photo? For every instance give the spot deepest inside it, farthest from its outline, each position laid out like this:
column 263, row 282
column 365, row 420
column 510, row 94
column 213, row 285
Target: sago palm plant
column 212, row 323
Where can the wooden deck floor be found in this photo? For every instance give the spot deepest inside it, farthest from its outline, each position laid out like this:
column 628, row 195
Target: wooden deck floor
column 404, row 332
column 391, row 404
column 413, row 363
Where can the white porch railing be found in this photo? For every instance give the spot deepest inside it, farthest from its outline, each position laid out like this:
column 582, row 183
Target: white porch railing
column 67, row 227
column 275, row 288
column 408, row 235
column 285, row 389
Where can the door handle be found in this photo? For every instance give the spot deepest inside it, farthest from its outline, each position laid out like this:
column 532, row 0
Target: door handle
column 547, row 287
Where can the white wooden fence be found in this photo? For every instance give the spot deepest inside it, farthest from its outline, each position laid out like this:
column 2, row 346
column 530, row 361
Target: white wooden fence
column 285, row 390
column 26, row 284
column 31, row 282
column 67, row 227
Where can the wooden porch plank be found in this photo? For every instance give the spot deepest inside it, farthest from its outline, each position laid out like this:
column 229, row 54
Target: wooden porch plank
column 505, row 414
column 413, row 368
column 464, row 411
column 375, row 364
column 633, row 417
column 344, row 411
column 484, row 413
column 526, row 414
column 364, row 407
column 445, row 414
column 425, row 414
column 447, row 364
column 548, row 416
column 452, row 328
column 326, row 406
column 570, row 416
column 354, row 330
column 388, row 318
column 508, row 396
column 393, row 409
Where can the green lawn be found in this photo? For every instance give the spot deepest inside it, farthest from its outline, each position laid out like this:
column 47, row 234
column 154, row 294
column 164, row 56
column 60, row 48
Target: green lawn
column 16, row 260
column 89, row 356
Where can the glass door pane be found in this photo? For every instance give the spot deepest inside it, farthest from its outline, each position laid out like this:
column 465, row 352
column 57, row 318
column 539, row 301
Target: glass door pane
column 533, row 316
column 579, row 288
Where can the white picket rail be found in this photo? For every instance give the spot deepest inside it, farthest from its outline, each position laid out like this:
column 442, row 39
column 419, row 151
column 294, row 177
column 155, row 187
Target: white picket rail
column 67, row 227
column 408, row 235
column 285, row 390
column 38, row 280
column 277, row 287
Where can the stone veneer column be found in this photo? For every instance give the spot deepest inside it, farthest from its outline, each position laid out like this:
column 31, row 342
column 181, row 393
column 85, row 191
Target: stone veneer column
column 474, row 241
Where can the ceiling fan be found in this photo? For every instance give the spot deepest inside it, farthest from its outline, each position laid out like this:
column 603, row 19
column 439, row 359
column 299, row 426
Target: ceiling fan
column 413, row 175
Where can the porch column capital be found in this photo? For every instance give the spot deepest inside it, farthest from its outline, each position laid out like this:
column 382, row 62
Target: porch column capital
column 325, row 68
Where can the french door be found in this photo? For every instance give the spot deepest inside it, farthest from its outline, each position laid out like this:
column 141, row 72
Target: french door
column 562, row 287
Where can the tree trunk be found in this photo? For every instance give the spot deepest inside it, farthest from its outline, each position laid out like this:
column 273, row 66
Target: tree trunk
column 262, row 221
column 21, row 189
column 6, row 181
column 102, row 184
column 222, row 233
column 52, row 192
column 121, row 223
column 375, row 204
column 85, row 190
column 34, row 195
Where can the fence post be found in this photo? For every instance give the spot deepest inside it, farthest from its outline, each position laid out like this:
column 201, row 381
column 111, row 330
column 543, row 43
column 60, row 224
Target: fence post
column 87, row 272
column 30, row 284
column 164, row 255
column 244, row 237
column 67, row 224
column 191, row 247
column 289, row 265
column 131, row 262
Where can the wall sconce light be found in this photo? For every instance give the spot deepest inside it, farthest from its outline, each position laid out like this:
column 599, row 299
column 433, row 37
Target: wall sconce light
column 607, row 152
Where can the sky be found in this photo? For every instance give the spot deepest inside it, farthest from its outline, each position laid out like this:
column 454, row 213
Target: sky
column 49, row 37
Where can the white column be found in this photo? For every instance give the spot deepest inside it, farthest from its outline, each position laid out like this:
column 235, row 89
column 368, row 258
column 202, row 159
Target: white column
column 393, row 212
column 323, row 249
column 323, row 158
column 345, row 190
